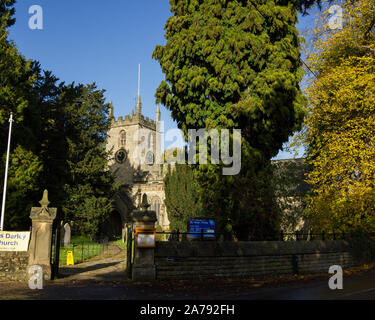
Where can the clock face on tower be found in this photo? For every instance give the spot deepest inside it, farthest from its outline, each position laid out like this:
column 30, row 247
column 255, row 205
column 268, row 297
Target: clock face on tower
column 120, row 156
column 150, row 158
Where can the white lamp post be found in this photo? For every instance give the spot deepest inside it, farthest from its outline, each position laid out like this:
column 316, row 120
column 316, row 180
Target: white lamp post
column 6, row 172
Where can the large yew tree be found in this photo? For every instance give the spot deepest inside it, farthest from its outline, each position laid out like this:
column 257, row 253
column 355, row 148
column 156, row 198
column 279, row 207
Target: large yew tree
column 235, row 64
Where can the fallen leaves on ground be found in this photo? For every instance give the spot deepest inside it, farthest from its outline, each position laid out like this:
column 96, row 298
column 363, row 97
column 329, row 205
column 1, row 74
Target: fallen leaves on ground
column 247, row 283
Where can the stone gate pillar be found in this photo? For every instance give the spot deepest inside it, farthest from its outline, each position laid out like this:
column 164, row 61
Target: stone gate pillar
column 143, row 268
column 41, row 236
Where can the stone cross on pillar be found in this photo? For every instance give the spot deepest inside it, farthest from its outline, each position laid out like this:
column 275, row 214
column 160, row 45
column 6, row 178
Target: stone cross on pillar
column 41, row 236
column 144, row 265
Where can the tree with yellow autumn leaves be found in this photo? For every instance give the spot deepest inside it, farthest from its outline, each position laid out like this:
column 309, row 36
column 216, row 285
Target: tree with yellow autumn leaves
column 339, row 129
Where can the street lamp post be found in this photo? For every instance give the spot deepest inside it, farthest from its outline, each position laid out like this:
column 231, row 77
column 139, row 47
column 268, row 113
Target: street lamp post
column 6, row 172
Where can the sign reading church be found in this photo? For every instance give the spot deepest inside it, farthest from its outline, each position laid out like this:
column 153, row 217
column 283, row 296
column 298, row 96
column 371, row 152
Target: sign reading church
column 14, row 241
column 197, row 226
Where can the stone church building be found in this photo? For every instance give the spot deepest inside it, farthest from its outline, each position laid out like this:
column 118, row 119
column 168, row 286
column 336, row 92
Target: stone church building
column 133, row 143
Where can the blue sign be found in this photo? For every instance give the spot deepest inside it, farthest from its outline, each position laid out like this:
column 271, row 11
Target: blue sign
column 197, row 226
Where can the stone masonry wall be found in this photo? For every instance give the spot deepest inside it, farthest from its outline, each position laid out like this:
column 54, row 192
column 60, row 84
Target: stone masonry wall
column 13, row 265
column 206, row 259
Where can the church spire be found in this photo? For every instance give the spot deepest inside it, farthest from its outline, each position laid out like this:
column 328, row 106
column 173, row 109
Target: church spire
column 139, row 102
column 111, row 110
column 139, row 107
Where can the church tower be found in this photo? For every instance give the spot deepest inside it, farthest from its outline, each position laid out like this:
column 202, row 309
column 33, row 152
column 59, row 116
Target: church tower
column 132, row 140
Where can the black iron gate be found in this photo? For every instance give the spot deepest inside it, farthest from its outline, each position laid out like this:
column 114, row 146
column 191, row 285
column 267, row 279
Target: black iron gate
column 129, row 250
column 55, row 249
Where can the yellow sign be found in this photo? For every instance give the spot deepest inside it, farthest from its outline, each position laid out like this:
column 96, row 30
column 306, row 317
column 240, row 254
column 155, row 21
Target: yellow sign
column 69, row 258
column 14, row 241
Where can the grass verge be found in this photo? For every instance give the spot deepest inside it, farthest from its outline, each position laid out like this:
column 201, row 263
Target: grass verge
column 83, row 249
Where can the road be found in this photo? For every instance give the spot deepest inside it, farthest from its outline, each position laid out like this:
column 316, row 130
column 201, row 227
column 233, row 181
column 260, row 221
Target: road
column 104, row 279
column 359, row 287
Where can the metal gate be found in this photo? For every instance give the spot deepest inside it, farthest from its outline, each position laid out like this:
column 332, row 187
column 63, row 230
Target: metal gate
column 129, row 250
column 55, row 249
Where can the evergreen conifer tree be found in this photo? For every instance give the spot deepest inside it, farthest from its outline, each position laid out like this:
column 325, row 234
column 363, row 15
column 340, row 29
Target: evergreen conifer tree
column 235, row 64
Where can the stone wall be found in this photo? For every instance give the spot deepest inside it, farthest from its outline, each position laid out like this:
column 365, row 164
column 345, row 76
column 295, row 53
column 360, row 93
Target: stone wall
column 206, row 259
column 13, row 265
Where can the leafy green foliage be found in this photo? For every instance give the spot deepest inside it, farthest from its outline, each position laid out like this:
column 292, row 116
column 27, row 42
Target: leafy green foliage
column 50, row 129
column 220, row 58
column 58, row 141
column 290, row 191
column 17, row 77
column 83, row 249
column 339, row 128
column 7, row 12
column 181, row 197
column 249, row 201
column 24, row 171
column 90, row 185
column 235, row 64
column 305, row 5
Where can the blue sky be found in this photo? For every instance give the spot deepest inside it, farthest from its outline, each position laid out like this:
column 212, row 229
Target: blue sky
column 94, row 41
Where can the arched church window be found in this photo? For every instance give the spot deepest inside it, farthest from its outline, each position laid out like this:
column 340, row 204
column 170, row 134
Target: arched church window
column 150, row 141
column 150, row 147
column 122, row 138
column 156, row 207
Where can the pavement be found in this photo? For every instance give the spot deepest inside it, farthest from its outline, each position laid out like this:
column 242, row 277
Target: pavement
column 104, row 278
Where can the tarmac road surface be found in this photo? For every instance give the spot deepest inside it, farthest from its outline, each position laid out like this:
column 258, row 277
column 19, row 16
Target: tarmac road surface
column 104, row 279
